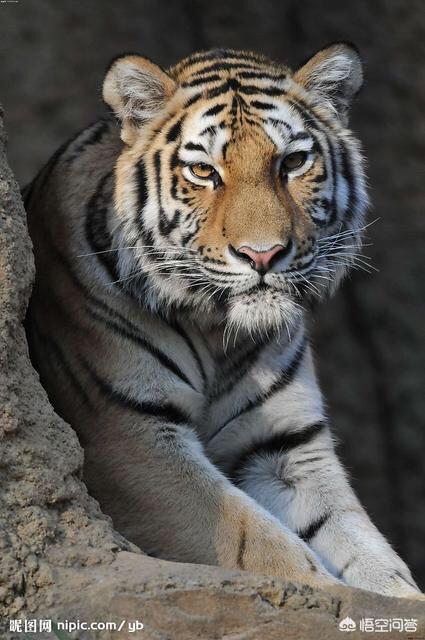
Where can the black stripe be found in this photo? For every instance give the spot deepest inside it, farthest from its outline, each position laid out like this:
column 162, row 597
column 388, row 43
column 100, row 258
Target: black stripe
column 96, row 133
column 165, row 411
column 211, row 77
column 142, row 185
column 57, row 353
column 211, row 130
column 345, row 567
column 307, row 116
column 333, row 206
column 190, row 235
column 242, row 546
column 232, row 371
column 142, row 197
column 308, row 460
column 182, row 333
column 224, row 149
column 174, row 131
column 279, row 444
column 313, row 529
column 174, row 185
column 144, row 343
column 259, row 104
column 218, row 91
column 96, row 224
column 300, row 135
column 348, row 175
column 254, row 123
column 165, row 225
column 191, row 146
column 250, row 90
column 224, row 66
column 220, row 54
column 261, row 75
column 192, row 100
column 279, row 123
column 285, row 378
column 323, row 204
column 212, row 111
column 321, row 177
column 175, row 160
column 224, row 274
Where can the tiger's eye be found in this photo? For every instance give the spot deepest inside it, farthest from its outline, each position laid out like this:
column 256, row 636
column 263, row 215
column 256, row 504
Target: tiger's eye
column 293, row 161
column 202, row 170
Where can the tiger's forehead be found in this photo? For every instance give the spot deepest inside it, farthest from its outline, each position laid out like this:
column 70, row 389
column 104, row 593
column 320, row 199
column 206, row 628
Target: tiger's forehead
column 233, row 96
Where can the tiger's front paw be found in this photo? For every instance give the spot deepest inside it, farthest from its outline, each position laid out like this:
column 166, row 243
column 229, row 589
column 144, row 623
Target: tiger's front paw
column 268, row 548
column 392, row 580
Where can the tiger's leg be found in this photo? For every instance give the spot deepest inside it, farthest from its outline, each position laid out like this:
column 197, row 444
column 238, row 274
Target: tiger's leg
column 184, row 508
column 299, row 479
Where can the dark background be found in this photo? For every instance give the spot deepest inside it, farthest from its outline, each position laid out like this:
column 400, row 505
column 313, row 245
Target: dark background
column 370, row 338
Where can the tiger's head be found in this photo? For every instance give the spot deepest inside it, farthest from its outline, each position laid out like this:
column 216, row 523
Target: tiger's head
column 240, row 192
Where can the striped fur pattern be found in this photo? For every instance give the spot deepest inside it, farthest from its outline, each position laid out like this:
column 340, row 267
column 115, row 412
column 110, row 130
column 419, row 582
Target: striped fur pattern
column 178, row 252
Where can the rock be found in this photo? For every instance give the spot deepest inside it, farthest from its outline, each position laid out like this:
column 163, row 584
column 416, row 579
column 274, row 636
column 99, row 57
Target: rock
column 60, row 557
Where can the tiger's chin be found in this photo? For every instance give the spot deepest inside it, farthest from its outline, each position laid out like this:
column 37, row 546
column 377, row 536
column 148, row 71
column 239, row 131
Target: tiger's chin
column 265, row 312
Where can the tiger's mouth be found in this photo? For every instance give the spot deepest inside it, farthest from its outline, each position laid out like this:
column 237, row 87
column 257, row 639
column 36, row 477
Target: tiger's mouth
column 288, row 283
column 210, row 288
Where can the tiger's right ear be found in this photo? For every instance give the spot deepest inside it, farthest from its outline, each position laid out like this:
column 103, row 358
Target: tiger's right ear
column 137, row 90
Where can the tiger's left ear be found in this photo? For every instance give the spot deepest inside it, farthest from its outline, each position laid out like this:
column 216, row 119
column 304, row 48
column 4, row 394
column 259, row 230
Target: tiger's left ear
column 137, row 90
column 334, row 75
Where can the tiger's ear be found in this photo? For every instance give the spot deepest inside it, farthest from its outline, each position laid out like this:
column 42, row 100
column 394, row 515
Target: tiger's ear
column 334, row 75
column 137, row 90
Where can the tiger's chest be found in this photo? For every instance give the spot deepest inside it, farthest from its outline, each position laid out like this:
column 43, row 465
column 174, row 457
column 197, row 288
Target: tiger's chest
column 211, row 378
column 224, row 381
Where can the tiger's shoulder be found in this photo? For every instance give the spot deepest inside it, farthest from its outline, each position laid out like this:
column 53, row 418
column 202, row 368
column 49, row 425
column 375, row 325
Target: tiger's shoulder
column 75, row 169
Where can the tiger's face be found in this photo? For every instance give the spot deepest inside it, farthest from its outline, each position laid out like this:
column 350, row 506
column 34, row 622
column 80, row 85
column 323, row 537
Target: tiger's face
column 239, row 190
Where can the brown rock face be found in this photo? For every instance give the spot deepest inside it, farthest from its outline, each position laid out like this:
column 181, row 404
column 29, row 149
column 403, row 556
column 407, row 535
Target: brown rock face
column 60, row 557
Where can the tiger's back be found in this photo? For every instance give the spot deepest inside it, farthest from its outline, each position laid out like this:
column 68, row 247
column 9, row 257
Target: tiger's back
column 81, row 323
column 66, row 206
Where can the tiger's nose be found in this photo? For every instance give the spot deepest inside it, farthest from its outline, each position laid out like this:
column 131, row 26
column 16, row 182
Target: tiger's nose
column 261, row 261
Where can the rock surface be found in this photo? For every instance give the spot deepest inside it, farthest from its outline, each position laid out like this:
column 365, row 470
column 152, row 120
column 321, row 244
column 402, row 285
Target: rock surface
column 59, row 555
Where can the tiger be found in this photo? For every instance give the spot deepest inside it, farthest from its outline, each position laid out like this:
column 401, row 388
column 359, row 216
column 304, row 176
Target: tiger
column 181, row 242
